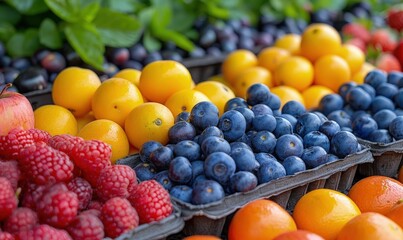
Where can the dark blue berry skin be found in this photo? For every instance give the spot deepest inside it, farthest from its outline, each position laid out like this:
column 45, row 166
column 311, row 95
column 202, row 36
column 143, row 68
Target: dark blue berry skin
column 210, row 131
column 396, row 128
column 321, row 116
column 293, row 164
column 264, row 157
column 257, row 93
column 317, row 138
column 306, row 123
column 358, row 114
column 233, row 124
column 207, row 191
column 145, row 171
column 375, row 78
column 215, row 144
column 188, row 149
column 163, row 178
column 343, row 143
column 197, row 169
column 147, row 148
column 293, row 108
column 183, row 116
column 264, row 141
column 341, row 117
column 395, row 77
column 261, row 109
column 387, row 90
column 269, row 171
column 398, row 99
column 180, row 170
column 398, row 112
column 199, row 179
column 264, row 122
column 291, row 119
column 242, row 181
column 368, row 89
column 181, row 131
column 283, row 126
column 359, row 99
column 331, row 158
column 380, row 136
column 330, row 103
column 329, row 128
column 219, row 166
column 273, row 102
column 314, row 156
column 244, row 160
column 161, row 157
column 248, row 115
column 363, row 126
column 379, row 103
column 235, row 145
column 203, row 115
column 234, row 103
column 288, row 145
column 345, row 88
column 182, row 192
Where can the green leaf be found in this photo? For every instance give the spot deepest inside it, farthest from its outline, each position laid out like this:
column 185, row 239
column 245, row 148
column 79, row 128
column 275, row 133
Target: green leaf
column 29, row 7
column 145, row 16
column 89, row 10
column 87, row 42
column 6, row 31
column 49, row 35
column 68, row 10
column 180, row 40
column 23, row 44
column 126, row 6
column 117, row 29
column 150, row 43
column 161, row 17
column 9, row 14
column 182, row 21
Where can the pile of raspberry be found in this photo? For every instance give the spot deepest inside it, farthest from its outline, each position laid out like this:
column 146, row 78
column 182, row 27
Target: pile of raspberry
column 65, row 187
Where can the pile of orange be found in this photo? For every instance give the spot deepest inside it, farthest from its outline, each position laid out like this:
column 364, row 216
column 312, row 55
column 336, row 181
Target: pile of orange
column 298, row 67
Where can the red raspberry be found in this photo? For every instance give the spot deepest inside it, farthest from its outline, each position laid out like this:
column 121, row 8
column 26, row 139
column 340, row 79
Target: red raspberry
column 383, row 40
column 44, row 164
column 118, row 216
column 39, row 135
column 86, row 227
column 43, row 231
column 65, row 142
column 151, row 201
column 6, row 236
column 58, row 206
column 12, row 143
column 83, row 190
column 8, row 200
column 31, row 193
column 10, row 170
column 97, row 205
column 395, row 19
column 95, row 212
column 22, row 219
column 115, row 181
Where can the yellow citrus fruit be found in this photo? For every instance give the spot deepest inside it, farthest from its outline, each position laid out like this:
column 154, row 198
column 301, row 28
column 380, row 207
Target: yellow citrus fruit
column 236, row 62
column 217, row 92
column 331, row 71
column 160, row 79
column 318, row 40
column 290, row 42
column 108, row 132
column 324, row 212
column 287, row 94
column 359, row 76
column 314, row 94
column 296, row 72
column 114, row 99
column 148, row 121
column 183, row 101
column 131, row 74
column 82, row 121
column 271, row 57
column 73, row 89
column 249, row 77
column 55, row 119
column 354, row 57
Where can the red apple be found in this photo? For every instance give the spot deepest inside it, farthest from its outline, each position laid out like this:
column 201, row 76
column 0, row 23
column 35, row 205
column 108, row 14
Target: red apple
column 15, row 111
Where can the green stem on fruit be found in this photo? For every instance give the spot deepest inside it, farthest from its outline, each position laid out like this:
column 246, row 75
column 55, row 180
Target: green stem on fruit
column 5, row 88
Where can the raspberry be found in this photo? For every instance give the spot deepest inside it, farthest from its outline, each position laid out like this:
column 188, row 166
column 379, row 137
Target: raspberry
column 118, row 216
column 39, row 135
column 58, row 206
column 95, row 212
column 43, row 231
column 64, row 142
column 83, row 190
column 12, row 143
column 6, row 236
column 44, row 164
column 8, row 201
column 22, row 219
column 10, row 170
column 86, row 227
column 151, row 201
column 97, row 205
column 31, row 193
column 115, row 181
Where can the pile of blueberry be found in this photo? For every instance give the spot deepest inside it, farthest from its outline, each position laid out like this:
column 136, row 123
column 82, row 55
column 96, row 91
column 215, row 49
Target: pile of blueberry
column 372, row 111
column 252, row 142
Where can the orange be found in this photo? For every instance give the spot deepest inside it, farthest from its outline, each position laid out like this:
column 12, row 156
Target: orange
column 396, row 213
column 354, row 57
column 290, row 42
column 376, row 194
column 371, row 226
column 184, row 101
column 73, row 89
column 131, row 74
column 359, row 76
column 133, row 150
column 260, row 220
column 202, row 237
column 299, row 235
column 296, row 72
column 82, row 121
column 236, row 62
column 400, row 176
column 160, row 79
column 271, row 57
column 324, row 212
column 55, row 120
column 249, row 77
column 108, row 132
column 314, row 94
column 331, row 71
column 114, row 99
column 287, row 94
column 148, row 121
column 217, row 92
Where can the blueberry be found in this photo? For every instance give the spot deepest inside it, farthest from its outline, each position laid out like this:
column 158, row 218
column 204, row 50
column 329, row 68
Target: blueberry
column 20, row 64
column 273, row 102
column 306, row 123
column 264, row 141
column 163, row 178
column 359, row 99
column 264, row 122
column 132, row 64
column 330, row 103
column 236, row 145
column 283, row 126
column 375, row 78
column 257, row 93
column 10, row 74
column 345, row 88
column 204, row 114
column 188, row 149
column 387, row 90
column 138, row 53
column 316, row 138
column 207, row 191
column 358, row 114
column 270, row 170
column 264, row 157
column 209, row 132
column 152, row 57
column 248, row 115
column 331, row 158
column 207, row 38
column 233, row 124
column 182, row 116
column 363, row 126
column 321, row 116
column 30, row 80
column 383, row 118
column 214, row 51
column 242, row 181
column 180, row 170
column 219, row 166
column 53, row 62
column 396, row 128
column 261, row 109
column 289, row 145
column 368, row 89
column 215, row 144
column 170, row 146
column 171, row 55
column 290, row 118
column 398, row 112
column 244, row 160
column 343, row 143
column 381, row 102
column 181, row 131
column 197, row 52
column 235, row 102
column 182, row 192
column 293, row 108
column 147, row 148
column 314, row 156
column 380, row 136
column 198, row 179
column 329, row 128
column 197, row 168
column 145, row 171
column 161, row 157
column 349, row 110
column 341, row 117
column 394, row 77
column 398, row 98
column 293, row 164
